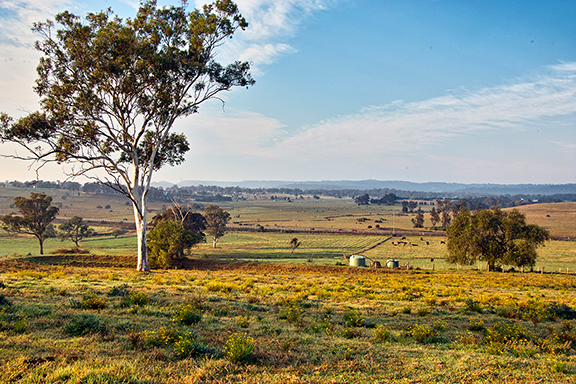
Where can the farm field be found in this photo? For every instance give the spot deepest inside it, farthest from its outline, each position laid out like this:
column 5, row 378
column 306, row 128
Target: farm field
column 281, row 323
column 253, row 311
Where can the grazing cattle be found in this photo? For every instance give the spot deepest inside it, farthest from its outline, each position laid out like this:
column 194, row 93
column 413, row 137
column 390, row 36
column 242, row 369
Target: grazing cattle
column 414, row 245
column 442, row 242
column 421, row 239
column 375, row 264
column 427, row 243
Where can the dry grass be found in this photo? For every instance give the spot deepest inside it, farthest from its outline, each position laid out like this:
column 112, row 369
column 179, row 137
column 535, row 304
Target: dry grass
column 309, row 324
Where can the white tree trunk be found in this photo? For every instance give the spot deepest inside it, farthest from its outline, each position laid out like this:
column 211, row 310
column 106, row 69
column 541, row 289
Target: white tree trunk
column 214, row 241
column 143, row 265
column 139, row 205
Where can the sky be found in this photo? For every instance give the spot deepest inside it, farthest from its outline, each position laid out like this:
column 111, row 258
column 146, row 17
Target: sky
column 429, row 90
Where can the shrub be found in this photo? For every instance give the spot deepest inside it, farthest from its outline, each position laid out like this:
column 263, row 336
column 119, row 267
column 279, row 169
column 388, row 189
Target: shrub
column 242, row 321
column 85, row 324
column 291, row 313
column 121, row 290
column 353, row 318
column 562, row 311
column 138, row 298
column 424, row 311
column 90, row 300
column 4, row 302
column 382, row 333
column 20, row 325
column 473, row 305
column 239, row 348
column 476, row 325
column 502, row 332
column 187, row 314
column 188, row 346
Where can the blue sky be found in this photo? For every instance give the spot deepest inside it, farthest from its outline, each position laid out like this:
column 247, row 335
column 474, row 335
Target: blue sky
column 453, row 91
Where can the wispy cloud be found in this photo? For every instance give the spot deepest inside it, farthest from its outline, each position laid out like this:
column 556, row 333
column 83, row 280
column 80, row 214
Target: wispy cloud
column 272, row 24
column 395, row 133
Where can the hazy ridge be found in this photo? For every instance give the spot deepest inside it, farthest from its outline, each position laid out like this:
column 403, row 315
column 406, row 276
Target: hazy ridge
column 488, row 189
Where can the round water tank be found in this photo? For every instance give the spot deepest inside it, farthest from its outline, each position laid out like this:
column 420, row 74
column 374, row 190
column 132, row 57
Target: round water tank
column 391, row 263
column 357, row 261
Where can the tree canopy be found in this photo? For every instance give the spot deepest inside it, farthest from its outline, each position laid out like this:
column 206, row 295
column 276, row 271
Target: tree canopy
column 36, row 214
column 112, row 88
column 74, row 229
column 494, row 236
column 216, row 220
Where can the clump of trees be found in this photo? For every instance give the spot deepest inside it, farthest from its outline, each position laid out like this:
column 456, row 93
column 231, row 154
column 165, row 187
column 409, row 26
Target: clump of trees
column 35, row 218
column 175, row 231
column 495, row 237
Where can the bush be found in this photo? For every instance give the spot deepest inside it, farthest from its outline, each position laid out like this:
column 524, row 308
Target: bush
column 382, row 333
column 121, row 290
column 4, row 302
column 353, row 318
column 85, row 324
column 239, row 348
column 502, row 332
column 167, row 242
column 91, row 300
column 187, row 314
column 138, row 298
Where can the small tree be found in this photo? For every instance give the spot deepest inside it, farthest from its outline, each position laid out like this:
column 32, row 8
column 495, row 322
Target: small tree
column 434, row 217
column 362, row 199
column 294, row 243
column 418, row 220
column 216, row 220
column 192, row 221
column 74, row 229
column 167, row 242
column 36, row 214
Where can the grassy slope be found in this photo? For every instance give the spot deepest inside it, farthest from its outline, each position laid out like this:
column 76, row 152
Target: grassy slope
column 309, row 325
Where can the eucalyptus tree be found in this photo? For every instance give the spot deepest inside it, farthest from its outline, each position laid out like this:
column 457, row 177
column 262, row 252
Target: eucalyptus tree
column 112, row 88
column 35, row 218
column 494, row 236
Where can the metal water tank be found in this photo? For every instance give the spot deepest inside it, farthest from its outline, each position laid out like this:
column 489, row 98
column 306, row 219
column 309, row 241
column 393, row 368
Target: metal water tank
column 357, row 261
column 391, row 263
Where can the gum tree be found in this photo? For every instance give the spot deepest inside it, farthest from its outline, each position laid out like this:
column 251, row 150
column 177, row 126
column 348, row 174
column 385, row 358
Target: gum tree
column 35, row 218
column 494, row 236
column 111, row 90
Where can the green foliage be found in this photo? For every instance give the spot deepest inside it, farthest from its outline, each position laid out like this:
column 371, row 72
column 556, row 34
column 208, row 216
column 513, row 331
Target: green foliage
column 81, row 325
column 239, row 348
column 493, row 236
column 473, row 305
column 4, row 302
column 418, row 220
column 167, row 242
column 121, row 290
column 292, row 313
column 382, row 334
column 216, row 220
column 138, row 298
column 90, row 300
column 36, row 214
column 502, row 332
column 187, row 314
column 74, row 229
column 425, row 334
column 353, row 318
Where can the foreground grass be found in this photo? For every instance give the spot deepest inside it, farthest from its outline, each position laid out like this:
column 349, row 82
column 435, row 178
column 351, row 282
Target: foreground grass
column 223, row 322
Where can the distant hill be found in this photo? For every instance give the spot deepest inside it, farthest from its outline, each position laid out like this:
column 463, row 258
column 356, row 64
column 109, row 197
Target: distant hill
column 481, row 189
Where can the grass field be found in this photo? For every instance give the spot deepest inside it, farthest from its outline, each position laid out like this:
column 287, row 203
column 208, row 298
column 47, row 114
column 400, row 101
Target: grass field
column 282, row 323
column 251, row 311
